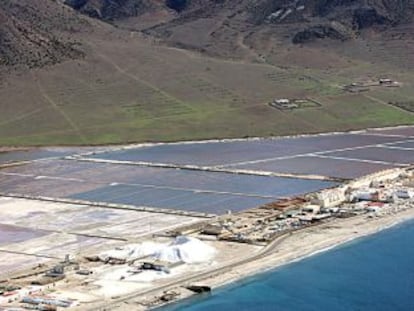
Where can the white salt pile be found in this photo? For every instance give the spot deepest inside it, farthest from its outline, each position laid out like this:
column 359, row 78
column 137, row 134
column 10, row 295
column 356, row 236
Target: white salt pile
column 183, row 249
column 186, row 249
column 132, row 251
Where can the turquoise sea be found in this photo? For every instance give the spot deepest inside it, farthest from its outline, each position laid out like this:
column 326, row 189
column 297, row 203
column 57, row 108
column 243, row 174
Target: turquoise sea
column 374, row 273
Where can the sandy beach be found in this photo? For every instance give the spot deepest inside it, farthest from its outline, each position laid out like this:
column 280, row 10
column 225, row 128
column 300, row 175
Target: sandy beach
column 312, row 241
column 299, row 245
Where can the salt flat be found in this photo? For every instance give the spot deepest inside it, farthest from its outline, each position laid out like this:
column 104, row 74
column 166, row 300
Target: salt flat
column 33, row 232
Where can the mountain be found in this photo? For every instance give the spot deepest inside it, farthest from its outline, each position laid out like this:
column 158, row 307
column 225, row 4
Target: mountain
column 35, row 34
column 116, row 71
column 319, row 18
column 231, row 28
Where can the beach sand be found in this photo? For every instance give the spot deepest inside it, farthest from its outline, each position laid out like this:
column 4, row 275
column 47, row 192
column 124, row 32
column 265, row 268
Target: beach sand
column 313, row 240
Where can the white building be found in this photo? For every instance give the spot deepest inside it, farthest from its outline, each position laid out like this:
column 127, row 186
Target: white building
column 330, row 197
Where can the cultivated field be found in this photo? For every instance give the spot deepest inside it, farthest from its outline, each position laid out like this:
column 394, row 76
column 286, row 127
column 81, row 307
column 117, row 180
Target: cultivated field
column 130, row 89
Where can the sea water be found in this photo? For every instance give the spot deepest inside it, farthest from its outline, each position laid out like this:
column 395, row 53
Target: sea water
column 375, row 273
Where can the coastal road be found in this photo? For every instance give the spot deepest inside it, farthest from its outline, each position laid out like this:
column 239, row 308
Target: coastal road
column 269, row 249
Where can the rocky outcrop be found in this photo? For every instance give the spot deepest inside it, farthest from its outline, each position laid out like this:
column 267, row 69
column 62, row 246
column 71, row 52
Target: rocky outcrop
column 368, row 16
column 31, row 37
column 347, row 10
column 112, row 10
column 353, row 16
column 177, row 5
column 320, row 32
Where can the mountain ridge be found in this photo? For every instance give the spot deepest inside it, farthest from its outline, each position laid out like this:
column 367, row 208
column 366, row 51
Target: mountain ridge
column 36, row 34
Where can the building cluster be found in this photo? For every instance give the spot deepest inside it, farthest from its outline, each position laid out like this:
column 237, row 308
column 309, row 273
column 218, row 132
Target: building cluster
column 366, row 85
column 290, row 104
column 375, row 196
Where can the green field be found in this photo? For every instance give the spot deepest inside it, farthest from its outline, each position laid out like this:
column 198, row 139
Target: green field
column 137, row 92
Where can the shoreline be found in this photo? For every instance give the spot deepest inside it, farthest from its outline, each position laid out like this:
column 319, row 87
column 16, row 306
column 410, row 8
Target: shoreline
column 279, row 258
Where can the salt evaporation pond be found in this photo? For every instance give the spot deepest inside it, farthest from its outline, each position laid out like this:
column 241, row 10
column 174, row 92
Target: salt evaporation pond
column 230, row 152
column 117, row 175
column 375, row 273
column 207, row 192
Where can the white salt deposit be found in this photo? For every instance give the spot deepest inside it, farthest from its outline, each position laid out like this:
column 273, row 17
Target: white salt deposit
column 132, row 251
column 186, row 249
column 118, row 280
column 183, row 249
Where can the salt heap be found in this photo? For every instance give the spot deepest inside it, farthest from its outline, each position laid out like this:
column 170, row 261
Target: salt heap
column 183, row 249
column 132, row 251
column 186, row 249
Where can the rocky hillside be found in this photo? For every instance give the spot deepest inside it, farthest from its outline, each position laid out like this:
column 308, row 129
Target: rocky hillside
column 37, row 33
column 42, row 32
column 337, row 19
column 109, row 10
